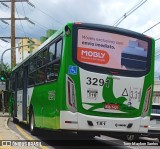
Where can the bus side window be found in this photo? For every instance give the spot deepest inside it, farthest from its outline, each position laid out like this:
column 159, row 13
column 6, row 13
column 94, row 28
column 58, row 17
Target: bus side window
column 59, row 49
column 40, row 75
column 53, row 71
column 20, row 79
column 33, row 65
column 31, row 68
column 12, row 82
column 32, row 77
column 39, row 59
column 52, row 52
column 50, row 73
column 45, row 57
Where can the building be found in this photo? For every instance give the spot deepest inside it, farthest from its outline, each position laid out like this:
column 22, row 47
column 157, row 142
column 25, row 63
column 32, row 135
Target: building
column 25, row 51
column 49, row 33
column 156, row 93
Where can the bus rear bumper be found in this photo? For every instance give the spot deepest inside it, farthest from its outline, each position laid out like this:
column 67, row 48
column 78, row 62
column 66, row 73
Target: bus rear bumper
column 81, row 122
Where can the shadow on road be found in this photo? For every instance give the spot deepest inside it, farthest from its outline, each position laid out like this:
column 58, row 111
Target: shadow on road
column 64, row 139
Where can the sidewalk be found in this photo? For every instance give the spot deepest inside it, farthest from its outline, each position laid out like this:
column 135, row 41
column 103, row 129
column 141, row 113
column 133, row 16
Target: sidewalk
column 6, row 134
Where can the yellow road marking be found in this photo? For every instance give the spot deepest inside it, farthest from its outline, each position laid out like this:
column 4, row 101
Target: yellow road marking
column 24, row 133
column 27, row 136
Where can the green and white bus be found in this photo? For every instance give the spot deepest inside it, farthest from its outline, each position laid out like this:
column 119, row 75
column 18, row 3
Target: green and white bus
column 87, row 78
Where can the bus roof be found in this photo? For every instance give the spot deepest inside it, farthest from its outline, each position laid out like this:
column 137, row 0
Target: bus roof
column 76, row 23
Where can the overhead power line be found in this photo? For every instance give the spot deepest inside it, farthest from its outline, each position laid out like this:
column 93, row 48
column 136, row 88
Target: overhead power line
column 4, row 40
column 157, row 39
column 151, row 27
column 157, row 55
column 157, row 52
column 4, row 4
column 4, row 21
column 13, row 52
column 21, row 23
column 135, row 7
column 47, row 15
column 40, row 25
column 29, row 3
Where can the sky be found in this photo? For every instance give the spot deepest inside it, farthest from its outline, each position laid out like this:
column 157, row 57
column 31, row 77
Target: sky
column 53, row 14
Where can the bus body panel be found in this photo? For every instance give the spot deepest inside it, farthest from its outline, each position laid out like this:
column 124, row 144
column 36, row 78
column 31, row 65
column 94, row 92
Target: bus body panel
column 107, row 96
column 44, row 106
column 79, row 121
column 121, row 95
column 84, row 98
column 114, row 114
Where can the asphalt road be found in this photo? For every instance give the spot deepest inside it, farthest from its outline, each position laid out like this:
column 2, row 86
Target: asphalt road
column 59, row 140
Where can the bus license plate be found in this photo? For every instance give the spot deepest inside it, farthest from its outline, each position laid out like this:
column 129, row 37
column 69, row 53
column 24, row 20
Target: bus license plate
column 111, row 106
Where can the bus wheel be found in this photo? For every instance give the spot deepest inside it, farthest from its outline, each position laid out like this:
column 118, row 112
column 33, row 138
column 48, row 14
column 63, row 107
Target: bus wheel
column 13, row 117
column 32, row 123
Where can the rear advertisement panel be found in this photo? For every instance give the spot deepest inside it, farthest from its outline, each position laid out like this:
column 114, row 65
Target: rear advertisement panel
column 111, row 50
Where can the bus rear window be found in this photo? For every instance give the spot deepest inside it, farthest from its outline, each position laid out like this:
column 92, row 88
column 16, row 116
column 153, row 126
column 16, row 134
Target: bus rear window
column 111, row 50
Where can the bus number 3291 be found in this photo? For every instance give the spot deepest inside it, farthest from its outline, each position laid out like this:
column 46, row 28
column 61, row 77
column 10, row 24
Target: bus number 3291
column 97, row 82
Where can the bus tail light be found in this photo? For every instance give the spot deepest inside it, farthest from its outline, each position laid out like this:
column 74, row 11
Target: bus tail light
column 147, row 102
column 71, row 94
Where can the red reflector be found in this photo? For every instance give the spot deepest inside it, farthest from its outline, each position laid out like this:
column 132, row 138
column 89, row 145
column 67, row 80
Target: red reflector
column 145, row 126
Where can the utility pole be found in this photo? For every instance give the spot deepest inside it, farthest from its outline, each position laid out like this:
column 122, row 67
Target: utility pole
column 13, row 52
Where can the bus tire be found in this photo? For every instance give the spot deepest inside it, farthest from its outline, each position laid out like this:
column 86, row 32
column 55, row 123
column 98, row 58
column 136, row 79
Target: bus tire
column 15, row 120
column 32, row 123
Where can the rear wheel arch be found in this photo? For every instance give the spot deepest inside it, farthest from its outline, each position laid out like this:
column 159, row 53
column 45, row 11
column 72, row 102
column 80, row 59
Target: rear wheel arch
column 33, row 129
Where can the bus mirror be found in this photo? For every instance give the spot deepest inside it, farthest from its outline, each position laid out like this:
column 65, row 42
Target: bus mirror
column 67, row 30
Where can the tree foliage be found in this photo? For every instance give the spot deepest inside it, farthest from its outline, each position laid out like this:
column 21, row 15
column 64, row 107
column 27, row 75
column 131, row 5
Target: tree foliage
column 6, row 69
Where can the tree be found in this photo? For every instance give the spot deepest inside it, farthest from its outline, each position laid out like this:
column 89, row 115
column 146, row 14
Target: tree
column 5, row 73
column 4, row 76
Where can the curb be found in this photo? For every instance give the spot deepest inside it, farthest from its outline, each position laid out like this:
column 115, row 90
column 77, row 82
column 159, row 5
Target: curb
column 6, row 125
column 19, row 136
